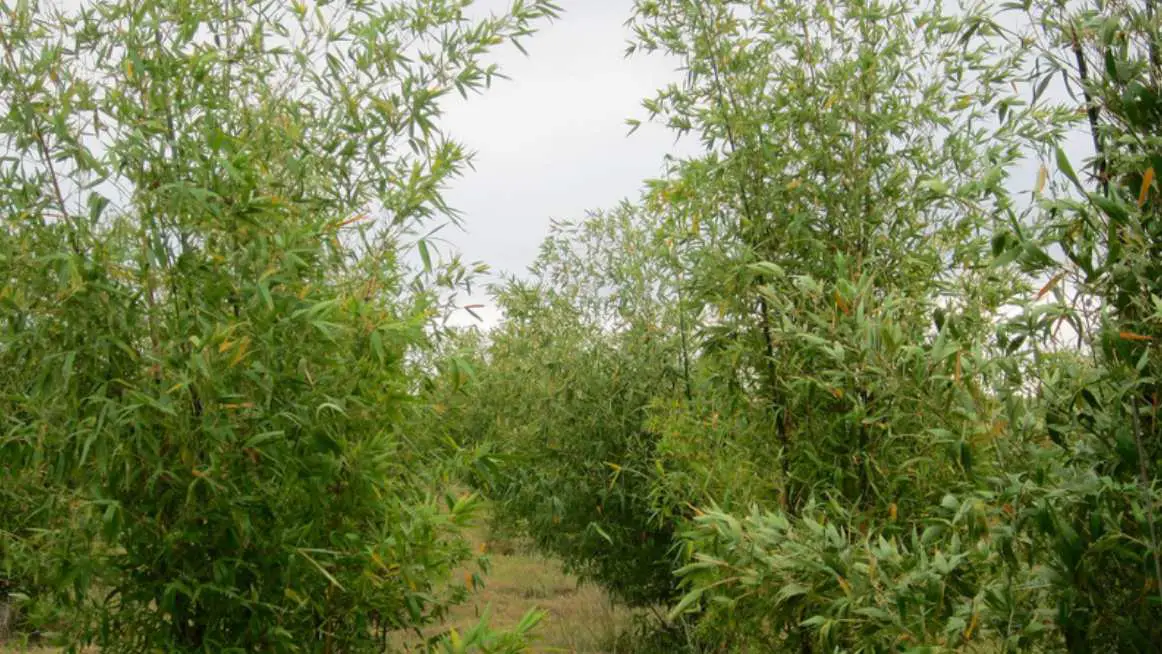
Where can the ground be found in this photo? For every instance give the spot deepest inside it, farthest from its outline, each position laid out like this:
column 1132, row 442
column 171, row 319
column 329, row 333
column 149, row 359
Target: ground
column 580, row 618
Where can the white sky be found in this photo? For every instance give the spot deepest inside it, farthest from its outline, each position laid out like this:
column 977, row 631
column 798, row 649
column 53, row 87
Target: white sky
column 551, row 143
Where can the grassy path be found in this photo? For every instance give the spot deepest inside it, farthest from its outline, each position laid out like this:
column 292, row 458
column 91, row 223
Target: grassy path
column 579, row 619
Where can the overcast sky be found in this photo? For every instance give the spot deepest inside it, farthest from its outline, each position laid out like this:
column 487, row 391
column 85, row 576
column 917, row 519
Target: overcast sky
column 552, row 142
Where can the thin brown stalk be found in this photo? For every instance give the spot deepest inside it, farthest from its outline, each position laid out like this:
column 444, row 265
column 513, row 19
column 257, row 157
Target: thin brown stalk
column 1091, row 111
column 1147, row 497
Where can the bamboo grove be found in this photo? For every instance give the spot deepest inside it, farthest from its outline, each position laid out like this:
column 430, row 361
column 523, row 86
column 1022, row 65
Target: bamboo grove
column 208, row 331
column 875, row 370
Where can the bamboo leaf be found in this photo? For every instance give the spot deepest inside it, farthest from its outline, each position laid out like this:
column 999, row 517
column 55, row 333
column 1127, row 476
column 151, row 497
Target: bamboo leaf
column 1067, row 169
column 687, row 601
column 424, row 255
column 321, row 569
column 1053, row 281
column 1147, row 180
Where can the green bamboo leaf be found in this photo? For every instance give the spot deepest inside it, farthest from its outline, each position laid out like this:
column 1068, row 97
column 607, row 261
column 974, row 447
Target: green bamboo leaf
column 1114, row 208
column 683, row 605
column 377, row 346
column 97, row 205
column 424, row 255
column 334, row 582
column 1067, row 169
column 264, row 293
column 601, row 532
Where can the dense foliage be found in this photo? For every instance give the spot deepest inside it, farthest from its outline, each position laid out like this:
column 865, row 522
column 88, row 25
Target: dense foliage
column 205, row 326
column 852, row 377
column 875, row 370
column 564, row 398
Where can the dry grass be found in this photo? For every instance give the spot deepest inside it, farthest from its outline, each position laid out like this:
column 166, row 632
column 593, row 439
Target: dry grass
column 580, row 618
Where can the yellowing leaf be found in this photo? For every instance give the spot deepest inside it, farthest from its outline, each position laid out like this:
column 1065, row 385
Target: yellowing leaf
column 1049, row 285
column 972, row 625
column 1042, row 177
column 841, row 303
column 349, row 221
column 1147, row 179
column 1131, row 336
column 242, row 349
column 795, row 183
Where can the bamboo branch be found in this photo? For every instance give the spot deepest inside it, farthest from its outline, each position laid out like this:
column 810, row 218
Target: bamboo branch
column 1147, row 499
column 1092, row 111
column 725, row 96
